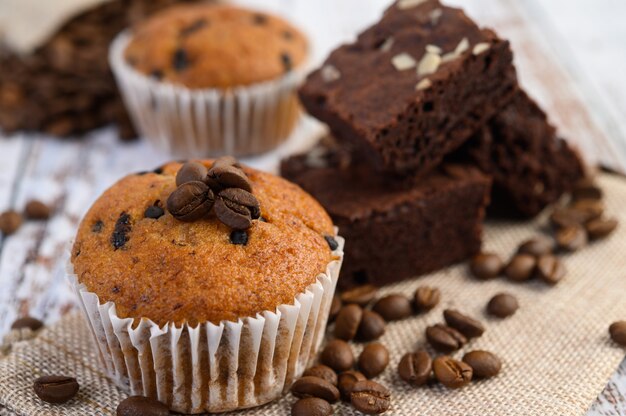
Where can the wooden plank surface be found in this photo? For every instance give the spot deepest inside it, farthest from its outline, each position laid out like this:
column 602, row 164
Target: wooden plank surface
column 569, row 54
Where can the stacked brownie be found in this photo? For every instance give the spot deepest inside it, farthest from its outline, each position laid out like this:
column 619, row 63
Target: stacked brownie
column 427, row 113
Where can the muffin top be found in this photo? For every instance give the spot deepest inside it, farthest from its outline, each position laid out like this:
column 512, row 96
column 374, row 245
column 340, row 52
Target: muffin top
column 215, row 46
column 151, row 265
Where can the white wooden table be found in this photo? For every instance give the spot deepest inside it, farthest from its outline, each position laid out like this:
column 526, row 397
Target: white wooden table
column 570, row 55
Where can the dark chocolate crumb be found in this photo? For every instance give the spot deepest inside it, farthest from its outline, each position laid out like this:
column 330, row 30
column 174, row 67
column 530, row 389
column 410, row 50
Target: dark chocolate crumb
column 259, row 19
column 97, row 226
column 120, row 234
column 178, row 306
column 286, row 60
column 194, row 27
column 332, row 243
column 156, row 74
column 155, row 212
column 116, row 289
column 239, row 237
column 287, row 35
column 180, row 61
column 77, row 253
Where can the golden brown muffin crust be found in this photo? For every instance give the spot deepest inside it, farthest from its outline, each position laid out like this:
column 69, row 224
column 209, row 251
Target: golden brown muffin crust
column 215, row 46
column 171, row 271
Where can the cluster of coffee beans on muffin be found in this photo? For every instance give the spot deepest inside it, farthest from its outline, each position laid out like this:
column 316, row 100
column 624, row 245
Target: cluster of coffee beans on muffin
column 65, row 86
column 11, row 221
column 342, row 376
column 224, row 188
column 574, row 224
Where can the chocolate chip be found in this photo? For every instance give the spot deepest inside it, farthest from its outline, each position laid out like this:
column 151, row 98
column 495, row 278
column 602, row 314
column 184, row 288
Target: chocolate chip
column 348, row 321
column 466, row 325
column 521, row 267
column 190, row 201
column 97, row 226
column 55, row 389
column 158, row 171
column 332, row 243
column 10, row 222
column 502, row 305
column 372, row 326
column 537, row 246
column 486, row 265
column 373, row 359
column 222, row 176
column 239, row 237
column 285, row 58
column 311, row 406
column 346, row 382
column 154, row 212
column 37, row 210
column 600, row 227
column 180, row 61
column 120, row 237
column 443, row 338
column 571, row 238
column 194, row 27
column 322, row 371
column 393, row 307
column 617, row 330
column 550, row 269
column 237, row 208
column 452, row 373
column 27, row 322
column 426, row 298
column 259, row 19
column 309, row 386
column 415, row 368
column 370, row 397
column 484, row 363
column 191, row 172
column 337, row 355
column 360, row 295
column 158, row 75
column 144, row 406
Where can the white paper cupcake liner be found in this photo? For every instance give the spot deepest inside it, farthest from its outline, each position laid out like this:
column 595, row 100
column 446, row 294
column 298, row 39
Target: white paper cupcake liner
column 212, row 368
column 211, row 122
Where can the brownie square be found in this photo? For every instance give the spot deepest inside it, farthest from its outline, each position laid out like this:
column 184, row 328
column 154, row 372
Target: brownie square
column 530, row 164
column 394, row 233
column 413, row 87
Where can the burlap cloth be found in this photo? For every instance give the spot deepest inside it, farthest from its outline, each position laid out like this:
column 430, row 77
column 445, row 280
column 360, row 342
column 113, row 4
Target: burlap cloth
column 556, row 351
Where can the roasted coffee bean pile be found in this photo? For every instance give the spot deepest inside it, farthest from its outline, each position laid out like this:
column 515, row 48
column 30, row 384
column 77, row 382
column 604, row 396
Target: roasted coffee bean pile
column 574, row 225
column 11, row 221
column 224, row 188
column 65, row 86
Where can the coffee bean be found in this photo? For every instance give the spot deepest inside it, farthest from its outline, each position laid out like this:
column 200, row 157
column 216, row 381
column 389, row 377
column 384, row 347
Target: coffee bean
column 332, row 243
column 285, row 58
column 27, row 322
column 466, row 325
column 237, row 208
column 346, row 381
column 484, row 364
column 373, row 359
column 55, row 389
column 226, row 161
column 571, row 238
column 335, row 307
column 426, row 298
column 360, row 295
column 154, row 212
column 120, row 237
column 415, row 368
column 586, row 188
column 223, row 176
column 452, row 373
column 348, row 321
column 323, row 372
column 372, row 326
column 337, row 355
column 37, row 210
column 566, row 217
column 486, row 266
column 393, row 307
column 141, row 406
column 180, row 60
column 311, row 406
column 10, row 222
column 191, row 172
column 537, row 246
column 190, row 201
column 617, row 330
column 521, row 267
column 600, row 227
column 309, row 386
column 239, row 237
column 370, row 397
column 444, row 338
column 550, row 269
column 502, row 305
column 589, row 208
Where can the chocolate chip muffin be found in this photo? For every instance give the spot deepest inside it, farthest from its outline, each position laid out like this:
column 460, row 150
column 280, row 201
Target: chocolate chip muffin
column 130, row 250
column 207, row 285
column 215, row 46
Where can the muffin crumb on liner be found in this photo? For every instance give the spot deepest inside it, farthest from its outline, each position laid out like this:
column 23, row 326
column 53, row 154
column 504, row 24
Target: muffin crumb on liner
column 214, row 368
